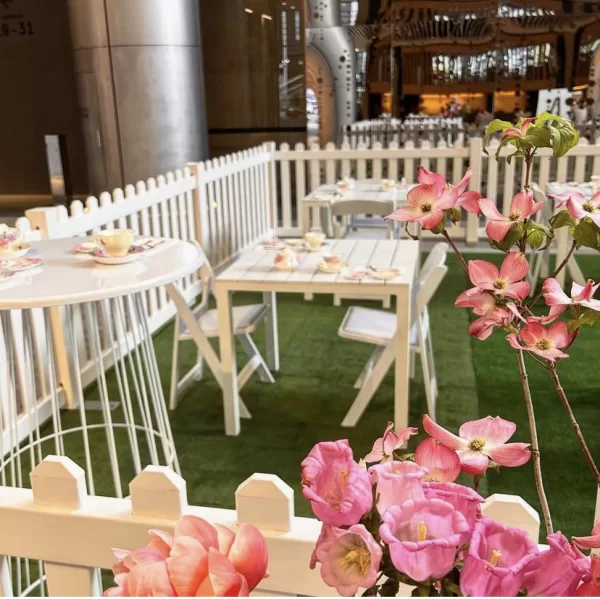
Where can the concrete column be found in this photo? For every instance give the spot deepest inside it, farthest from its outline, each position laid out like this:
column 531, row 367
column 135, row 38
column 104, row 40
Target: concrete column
column 141, row 89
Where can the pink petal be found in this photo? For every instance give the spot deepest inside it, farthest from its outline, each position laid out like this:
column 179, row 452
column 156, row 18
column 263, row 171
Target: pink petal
column 469, row 200
column 223, row 580
column 518, row 291
column 187, row 566
column 553, row 314
column 560, row 334
column 512, row 133
column 432, row 220
column 406, row 214
column 590, row 542
column 553, row 293
column 249, row 554
column 533, row 332
column 482, row 272
column 565, row 196
column 497, row 230
column 473, row 462
column 226, row 537
column 161, row 541
column 158, row 579
column 201, row 530
column 521, row 204
column 489, row 209
column 514, row 267
column 551, row 354
column 441, row 462
column 442, row 435
column 592, row 304
column 421, row 194
column 447, row 199
column 376, row 454
column 428, row 177
column 481, row 302
column 462, row 185
column 513, row 341
column 482, row 328
column 494, row 431
column 511, row 454
column 525, row 124
column 575, row 210
column 535, row 208
column 513, row 308
column 583, row 294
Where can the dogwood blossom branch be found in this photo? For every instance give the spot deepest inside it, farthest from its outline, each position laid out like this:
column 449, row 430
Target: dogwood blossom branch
column 576, row 428
column 456, row 251
column 535, row 449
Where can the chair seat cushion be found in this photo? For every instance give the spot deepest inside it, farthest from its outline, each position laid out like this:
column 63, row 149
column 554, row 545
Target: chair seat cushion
column 245, row 319
column 371, row 326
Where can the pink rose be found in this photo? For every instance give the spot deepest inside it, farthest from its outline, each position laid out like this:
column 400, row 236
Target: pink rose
column 338, row 489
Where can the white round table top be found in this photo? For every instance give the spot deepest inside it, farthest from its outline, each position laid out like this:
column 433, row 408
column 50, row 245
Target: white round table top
column 69, row 278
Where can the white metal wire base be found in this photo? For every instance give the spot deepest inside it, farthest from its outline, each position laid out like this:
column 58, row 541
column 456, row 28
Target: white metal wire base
column 35, row 423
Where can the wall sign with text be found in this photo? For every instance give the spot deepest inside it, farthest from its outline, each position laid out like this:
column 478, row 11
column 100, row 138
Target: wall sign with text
column 14, row 24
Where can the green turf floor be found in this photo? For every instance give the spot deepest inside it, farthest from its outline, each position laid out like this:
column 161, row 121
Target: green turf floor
column 314, row 390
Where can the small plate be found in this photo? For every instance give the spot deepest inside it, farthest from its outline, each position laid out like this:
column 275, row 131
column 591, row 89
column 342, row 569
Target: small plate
column 328, row 268
column 294, row 243
column 6, row 275
column 273, row 244
column 101, row 256
column 87, row 247
column 21, row 250
column 355, row 274
column 310, row 248
column 384, row 273
column 20, row 264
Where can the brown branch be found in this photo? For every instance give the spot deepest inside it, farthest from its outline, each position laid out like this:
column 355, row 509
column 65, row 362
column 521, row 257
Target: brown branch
column 558, row 269
column 535, row 450
column 456, row 251
column 576, row 428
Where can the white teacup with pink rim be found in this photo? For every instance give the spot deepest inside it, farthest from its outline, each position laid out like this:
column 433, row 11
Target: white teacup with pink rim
column 117, row 242
column 286, row 259
column 10, row 241
column 332, row 262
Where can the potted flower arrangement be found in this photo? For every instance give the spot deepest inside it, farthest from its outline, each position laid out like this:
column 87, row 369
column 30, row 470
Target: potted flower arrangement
column 391, row 518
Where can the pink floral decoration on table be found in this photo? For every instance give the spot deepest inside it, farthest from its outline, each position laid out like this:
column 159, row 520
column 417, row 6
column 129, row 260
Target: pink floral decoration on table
column 199, row 559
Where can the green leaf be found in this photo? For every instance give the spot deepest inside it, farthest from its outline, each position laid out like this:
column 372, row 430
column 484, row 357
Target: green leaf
column 588, row 317
column 538, row 137
column 586, row 235
column 440, row 228
column 514, row 235
column 455, row 214
column 536, row 235
column 562, row 219
column 390, row 588
column 494, row 127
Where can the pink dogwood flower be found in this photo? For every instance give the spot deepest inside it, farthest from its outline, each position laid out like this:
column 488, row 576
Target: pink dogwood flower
column 558, row 300
column 498, row 560
column 483, row 327
column 384, row 447
column 338, row 489
column 480, row 441
column 442, row 463
column 505, row 282
column 522, row 207
column 469, row 200
column 464, row 499
column 545, row 342
column 349, row 559
column 592, row 587
column 559, row 571
column 579, row 205
column 396, row 482
column 426, row 206
column 423, row 537
column 590, row 542
column 521, row 131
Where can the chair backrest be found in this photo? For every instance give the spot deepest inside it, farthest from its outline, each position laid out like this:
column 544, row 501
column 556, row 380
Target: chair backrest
column 350, row 207
column 545, row 214
column 439, row 249
column 430, row 281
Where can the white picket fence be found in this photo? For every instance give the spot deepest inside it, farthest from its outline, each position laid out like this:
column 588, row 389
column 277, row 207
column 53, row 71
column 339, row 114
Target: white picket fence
column 71, row 534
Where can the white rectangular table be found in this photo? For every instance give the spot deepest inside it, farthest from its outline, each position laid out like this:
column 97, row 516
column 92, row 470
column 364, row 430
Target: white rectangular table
column 255, row 271
column 367, row 189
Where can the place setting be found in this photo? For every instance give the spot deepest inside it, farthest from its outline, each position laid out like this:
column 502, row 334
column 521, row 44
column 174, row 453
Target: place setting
column 13, row 254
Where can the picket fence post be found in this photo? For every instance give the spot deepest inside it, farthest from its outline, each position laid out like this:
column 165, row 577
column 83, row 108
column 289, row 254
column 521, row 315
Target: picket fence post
column 271, row 148
column 59, row 482
column 512, row 510
column 476, row 164
column 158, row 492
column 201, row 207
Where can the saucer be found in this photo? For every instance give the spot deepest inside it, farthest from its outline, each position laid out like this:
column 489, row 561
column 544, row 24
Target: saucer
column 87, row 247
column 273, row 244
column 355, row 274
column 22, row 249
column 6, row 275
column 19, row 264
column 331, row 268
column 384, row 274
column 310, row 248
column 295, row 243
column 101, row 256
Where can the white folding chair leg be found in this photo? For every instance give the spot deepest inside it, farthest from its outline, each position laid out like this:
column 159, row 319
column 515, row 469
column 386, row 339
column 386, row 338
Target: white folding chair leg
column 370, row 385
column 368, row 369
column 337, row 300
column 174, row 367
column 428, row 366
column 411, row 364
column 254, row 355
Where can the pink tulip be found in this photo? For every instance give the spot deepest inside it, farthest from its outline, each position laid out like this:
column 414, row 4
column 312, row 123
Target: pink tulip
column 480, row 441
column 591, row 542
column 198, row 559
column 396, row 482
column 505, row 282
column 592, row 587
column 483, row 327
column 464, row 499
column 423, row 537
column 522, row 207
column 498, row 560
column 385, row 446
column 337, row 487
column 349, row 559
column 579, row 206
column 442, row 463
column 426, row 206
column 559, row 571
column 558, row 300
column 521, row 131
column 545, row 342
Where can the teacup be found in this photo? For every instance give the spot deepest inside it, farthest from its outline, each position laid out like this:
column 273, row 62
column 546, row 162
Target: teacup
column 10, row 240
column 117, row 242
column 332, row 259
column 286, row 259
column 314, row 239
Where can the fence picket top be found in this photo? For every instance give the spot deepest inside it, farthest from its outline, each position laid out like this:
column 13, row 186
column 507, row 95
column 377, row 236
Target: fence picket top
column 299, row 147
column 140, row 187
column 76, row 207
column 161, row 181
column 158, row 492
column 284, row 147
column 514, row 511
column 58, row 481
column 330, row 147
column 151, row 183
column 170, row 177
column 105, row 198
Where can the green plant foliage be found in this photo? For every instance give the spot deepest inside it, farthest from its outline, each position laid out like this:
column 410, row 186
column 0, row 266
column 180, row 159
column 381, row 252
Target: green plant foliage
column 563, row 219
column 585, row 234
column 514, row 235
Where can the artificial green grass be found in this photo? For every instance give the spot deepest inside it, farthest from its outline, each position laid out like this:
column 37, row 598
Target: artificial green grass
column 314, row 389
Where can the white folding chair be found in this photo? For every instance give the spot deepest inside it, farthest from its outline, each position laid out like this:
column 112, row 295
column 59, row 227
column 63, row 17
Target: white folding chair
column 205, row 326
column 378, row 327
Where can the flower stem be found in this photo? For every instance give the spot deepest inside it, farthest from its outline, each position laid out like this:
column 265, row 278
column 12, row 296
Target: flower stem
column 576, row 428
column 558, row 269
column 456, row 251
column 535, row 449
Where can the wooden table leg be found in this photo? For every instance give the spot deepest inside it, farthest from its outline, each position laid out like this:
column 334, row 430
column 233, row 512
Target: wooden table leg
column 270, row 298
column 231, row 404
column 402, row 341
